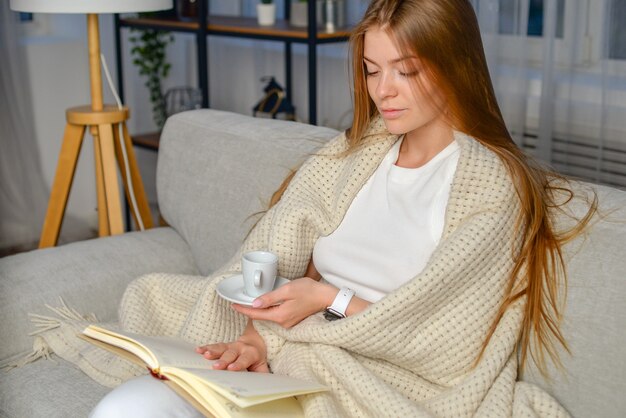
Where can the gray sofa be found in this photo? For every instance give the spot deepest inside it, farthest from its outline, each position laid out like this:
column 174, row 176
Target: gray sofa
column 215, row 169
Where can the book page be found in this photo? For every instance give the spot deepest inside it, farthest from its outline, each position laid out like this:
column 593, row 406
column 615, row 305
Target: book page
column 174, row 352
column 245, row 389
column 217, row 392
column 218, row 406
column 156, row 352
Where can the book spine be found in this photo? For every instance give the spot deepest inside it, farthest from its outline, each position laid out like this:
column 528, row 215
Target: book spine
column 156, row 373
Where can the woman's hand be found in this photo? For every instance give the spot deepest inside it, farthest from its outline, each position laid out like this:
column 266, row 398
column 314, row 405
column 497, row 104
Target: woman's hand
column 247, row 353
column 291, row 303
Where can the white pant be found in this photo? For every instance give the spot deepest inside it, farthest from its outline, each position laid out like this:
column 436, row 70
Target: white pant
column 143, row 396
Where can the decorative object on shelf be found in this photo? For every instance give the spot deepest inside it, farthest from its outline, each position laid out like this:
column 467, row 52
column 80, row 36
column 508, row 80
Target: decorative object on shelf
column 330, row 14
column 179, row 99
column 103, row 121
column 298, row 13
column 149, row 55
column 274, row 103
column 333, row 14
column 266, row 12
column 187, row 9
column 245, row 27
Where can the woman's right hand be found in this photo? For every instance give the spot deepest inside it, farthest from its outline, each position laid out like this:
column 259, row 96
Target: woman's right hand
column 247, row 353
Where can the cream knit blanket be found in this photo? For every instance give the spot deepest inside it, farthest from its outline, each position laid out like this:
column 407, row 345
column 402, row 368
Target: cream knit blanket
column 410, row 354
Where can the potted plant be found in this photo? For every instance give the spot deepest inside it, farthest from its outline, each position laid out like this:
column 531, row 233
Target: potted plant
column 266, row 12
column 149, row 55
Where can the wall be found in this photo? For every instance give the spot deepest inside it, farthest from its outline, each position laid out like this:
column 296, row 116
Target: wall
column 56, row 87
column 58, row 69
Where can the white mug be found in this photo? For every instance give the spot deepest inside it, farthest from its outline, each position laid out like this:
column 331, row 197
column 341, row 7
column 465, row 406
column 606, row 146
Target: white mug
column 259, row 269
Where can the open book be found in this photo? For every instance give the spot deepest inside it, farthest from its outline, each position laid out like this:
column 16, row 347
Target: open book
column 217, row 393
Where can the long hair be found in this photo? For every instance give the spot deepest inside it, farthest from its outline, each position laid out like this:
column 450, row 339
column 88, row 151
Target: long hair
column 445, row 36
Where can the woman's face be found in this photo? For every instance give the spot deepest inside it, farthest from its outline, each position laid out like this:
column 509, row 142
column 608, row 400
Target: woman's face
column 404, row 96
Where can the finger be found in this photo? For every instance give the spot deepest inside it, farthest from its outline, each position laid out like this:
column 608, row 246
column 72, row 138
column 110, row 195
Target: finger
column 260, row 368
column 245, row 360
column 229, row 356
column 267, row 314
column 212, row 355
column 201, row 348
column 211, row 349
column 271, row 298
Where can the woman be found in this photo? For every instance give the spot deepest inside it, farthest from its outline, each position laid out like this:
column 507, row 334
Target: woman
column 433, row 234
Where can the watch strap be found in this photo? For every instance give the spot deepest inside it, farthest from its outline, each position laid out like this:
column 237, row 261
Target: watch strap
column 340, row 304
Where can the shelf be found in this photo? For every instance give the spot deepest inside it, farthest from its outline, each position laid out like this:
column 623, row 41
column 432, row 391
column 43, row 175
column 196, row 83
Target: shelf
column 206, row 25
column 239, row 27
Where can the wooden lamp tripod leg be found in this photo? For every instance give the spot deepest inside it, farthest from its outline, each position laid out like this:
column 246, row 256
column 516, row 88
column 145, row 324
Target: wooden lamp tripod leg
column 109, row 175
column 103, row 123
column 134, row 181
column 66, row 167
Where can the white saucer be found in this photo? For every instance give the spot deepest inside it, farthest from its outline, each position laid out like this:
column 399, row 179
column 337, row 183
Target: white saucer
column 231, row 289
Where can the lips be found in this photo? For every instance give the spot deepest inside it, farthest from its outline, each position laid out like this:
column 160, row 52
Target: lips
column 391, row 113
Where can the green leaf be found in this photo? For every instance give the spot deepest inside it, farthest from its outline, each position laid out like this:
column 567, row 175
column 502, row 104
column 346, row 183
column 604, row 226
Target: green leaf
column 149, row 54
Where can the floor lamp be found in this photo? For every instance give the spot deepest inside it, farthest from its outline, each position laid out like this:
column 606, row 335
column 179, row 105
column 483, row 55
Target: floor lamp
column 103, row 122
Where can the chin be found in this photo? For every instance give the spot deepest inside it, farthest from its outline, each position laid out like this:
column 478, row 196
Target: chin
column 395, row 128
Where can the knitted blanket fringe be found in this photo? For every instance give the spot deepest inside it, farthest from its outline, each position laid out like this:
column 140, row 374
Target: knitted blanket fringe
column 43, row 324
column 412, row 353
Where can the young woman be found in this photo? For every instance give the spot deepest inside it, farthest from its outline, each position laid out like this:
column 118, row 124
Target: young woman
column 424, row 227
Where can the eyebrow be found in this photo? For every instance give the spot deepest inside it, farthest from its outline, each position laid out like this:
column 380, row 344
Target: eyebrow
column 393, row 61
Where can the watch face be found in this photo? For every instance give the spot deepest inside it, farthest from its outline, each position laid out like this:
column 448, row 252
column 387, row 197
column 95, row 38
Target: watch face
column 331, row 315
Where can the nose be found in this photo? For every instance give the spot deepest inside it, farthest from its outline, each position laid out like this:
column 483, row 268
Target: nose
column 386, row 86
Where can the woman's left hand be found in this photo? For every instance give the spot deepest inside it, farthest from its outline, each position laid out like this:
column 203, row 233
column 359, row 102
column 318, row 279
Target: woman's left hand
column 291, row 303
column 247, row 353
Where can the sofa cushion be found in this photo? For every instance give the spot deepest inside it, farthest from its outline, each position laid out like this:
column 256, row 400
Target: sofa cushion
column 594, row 382
column 48, row 389
column 89, row 275
column 234, row 163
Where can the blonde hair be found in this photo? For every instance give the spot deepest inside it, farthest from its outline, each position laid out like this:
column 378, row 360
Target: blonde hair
column 444, row 34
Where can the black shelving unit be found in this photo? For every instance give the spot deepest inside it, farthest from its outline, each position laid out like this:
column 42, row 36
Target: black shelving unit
column 240, row 27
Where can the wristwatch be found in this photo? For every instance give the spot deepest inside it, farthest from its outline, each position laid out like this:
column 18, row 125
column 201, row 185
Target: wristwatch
column 338, row 309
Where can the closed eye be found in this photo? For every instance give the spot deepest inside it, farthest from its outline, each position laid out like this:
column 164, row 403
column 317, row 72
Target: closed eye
column 409, row 74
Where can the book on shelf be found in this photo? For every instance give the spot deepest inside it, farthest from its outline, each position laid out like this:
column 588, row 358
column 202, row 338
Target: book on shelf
column 218, row 393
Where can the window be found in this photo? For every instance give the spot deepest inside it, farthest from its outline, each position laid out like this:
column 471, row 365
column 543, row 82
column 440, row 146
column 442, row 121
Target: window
column 26, row 17
column 617, row 30
column 511, row 10
column 509, row 38
column 33, row 24
column 587, row 88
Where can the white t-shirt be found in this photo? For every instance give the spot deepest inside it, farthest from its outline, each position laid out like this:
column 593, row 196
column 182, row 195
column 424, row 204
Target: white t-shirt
column 391, row 228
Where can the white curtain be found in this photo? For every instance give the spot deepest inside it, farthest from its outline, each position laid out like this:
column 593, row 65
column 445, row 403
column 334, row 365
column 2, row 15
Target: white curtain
column 559, row 70
column 23, row 192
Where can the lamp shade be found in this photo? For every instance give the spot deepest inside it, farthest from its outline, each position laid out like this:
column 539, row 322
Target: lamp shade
column 89, row 6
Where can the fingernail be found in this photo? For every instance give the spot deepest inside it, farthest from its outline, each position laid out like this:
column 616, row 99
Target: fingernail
column 257, row 303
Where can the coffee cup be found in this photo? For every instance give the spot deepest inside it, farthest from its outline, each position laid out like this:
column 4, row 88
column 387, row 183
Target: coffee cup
column 259, row 269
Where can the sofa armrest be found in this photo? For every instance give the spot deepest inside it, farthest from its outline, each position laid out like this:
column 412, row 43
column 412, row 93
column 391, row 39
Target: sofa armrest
column 89, row 275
